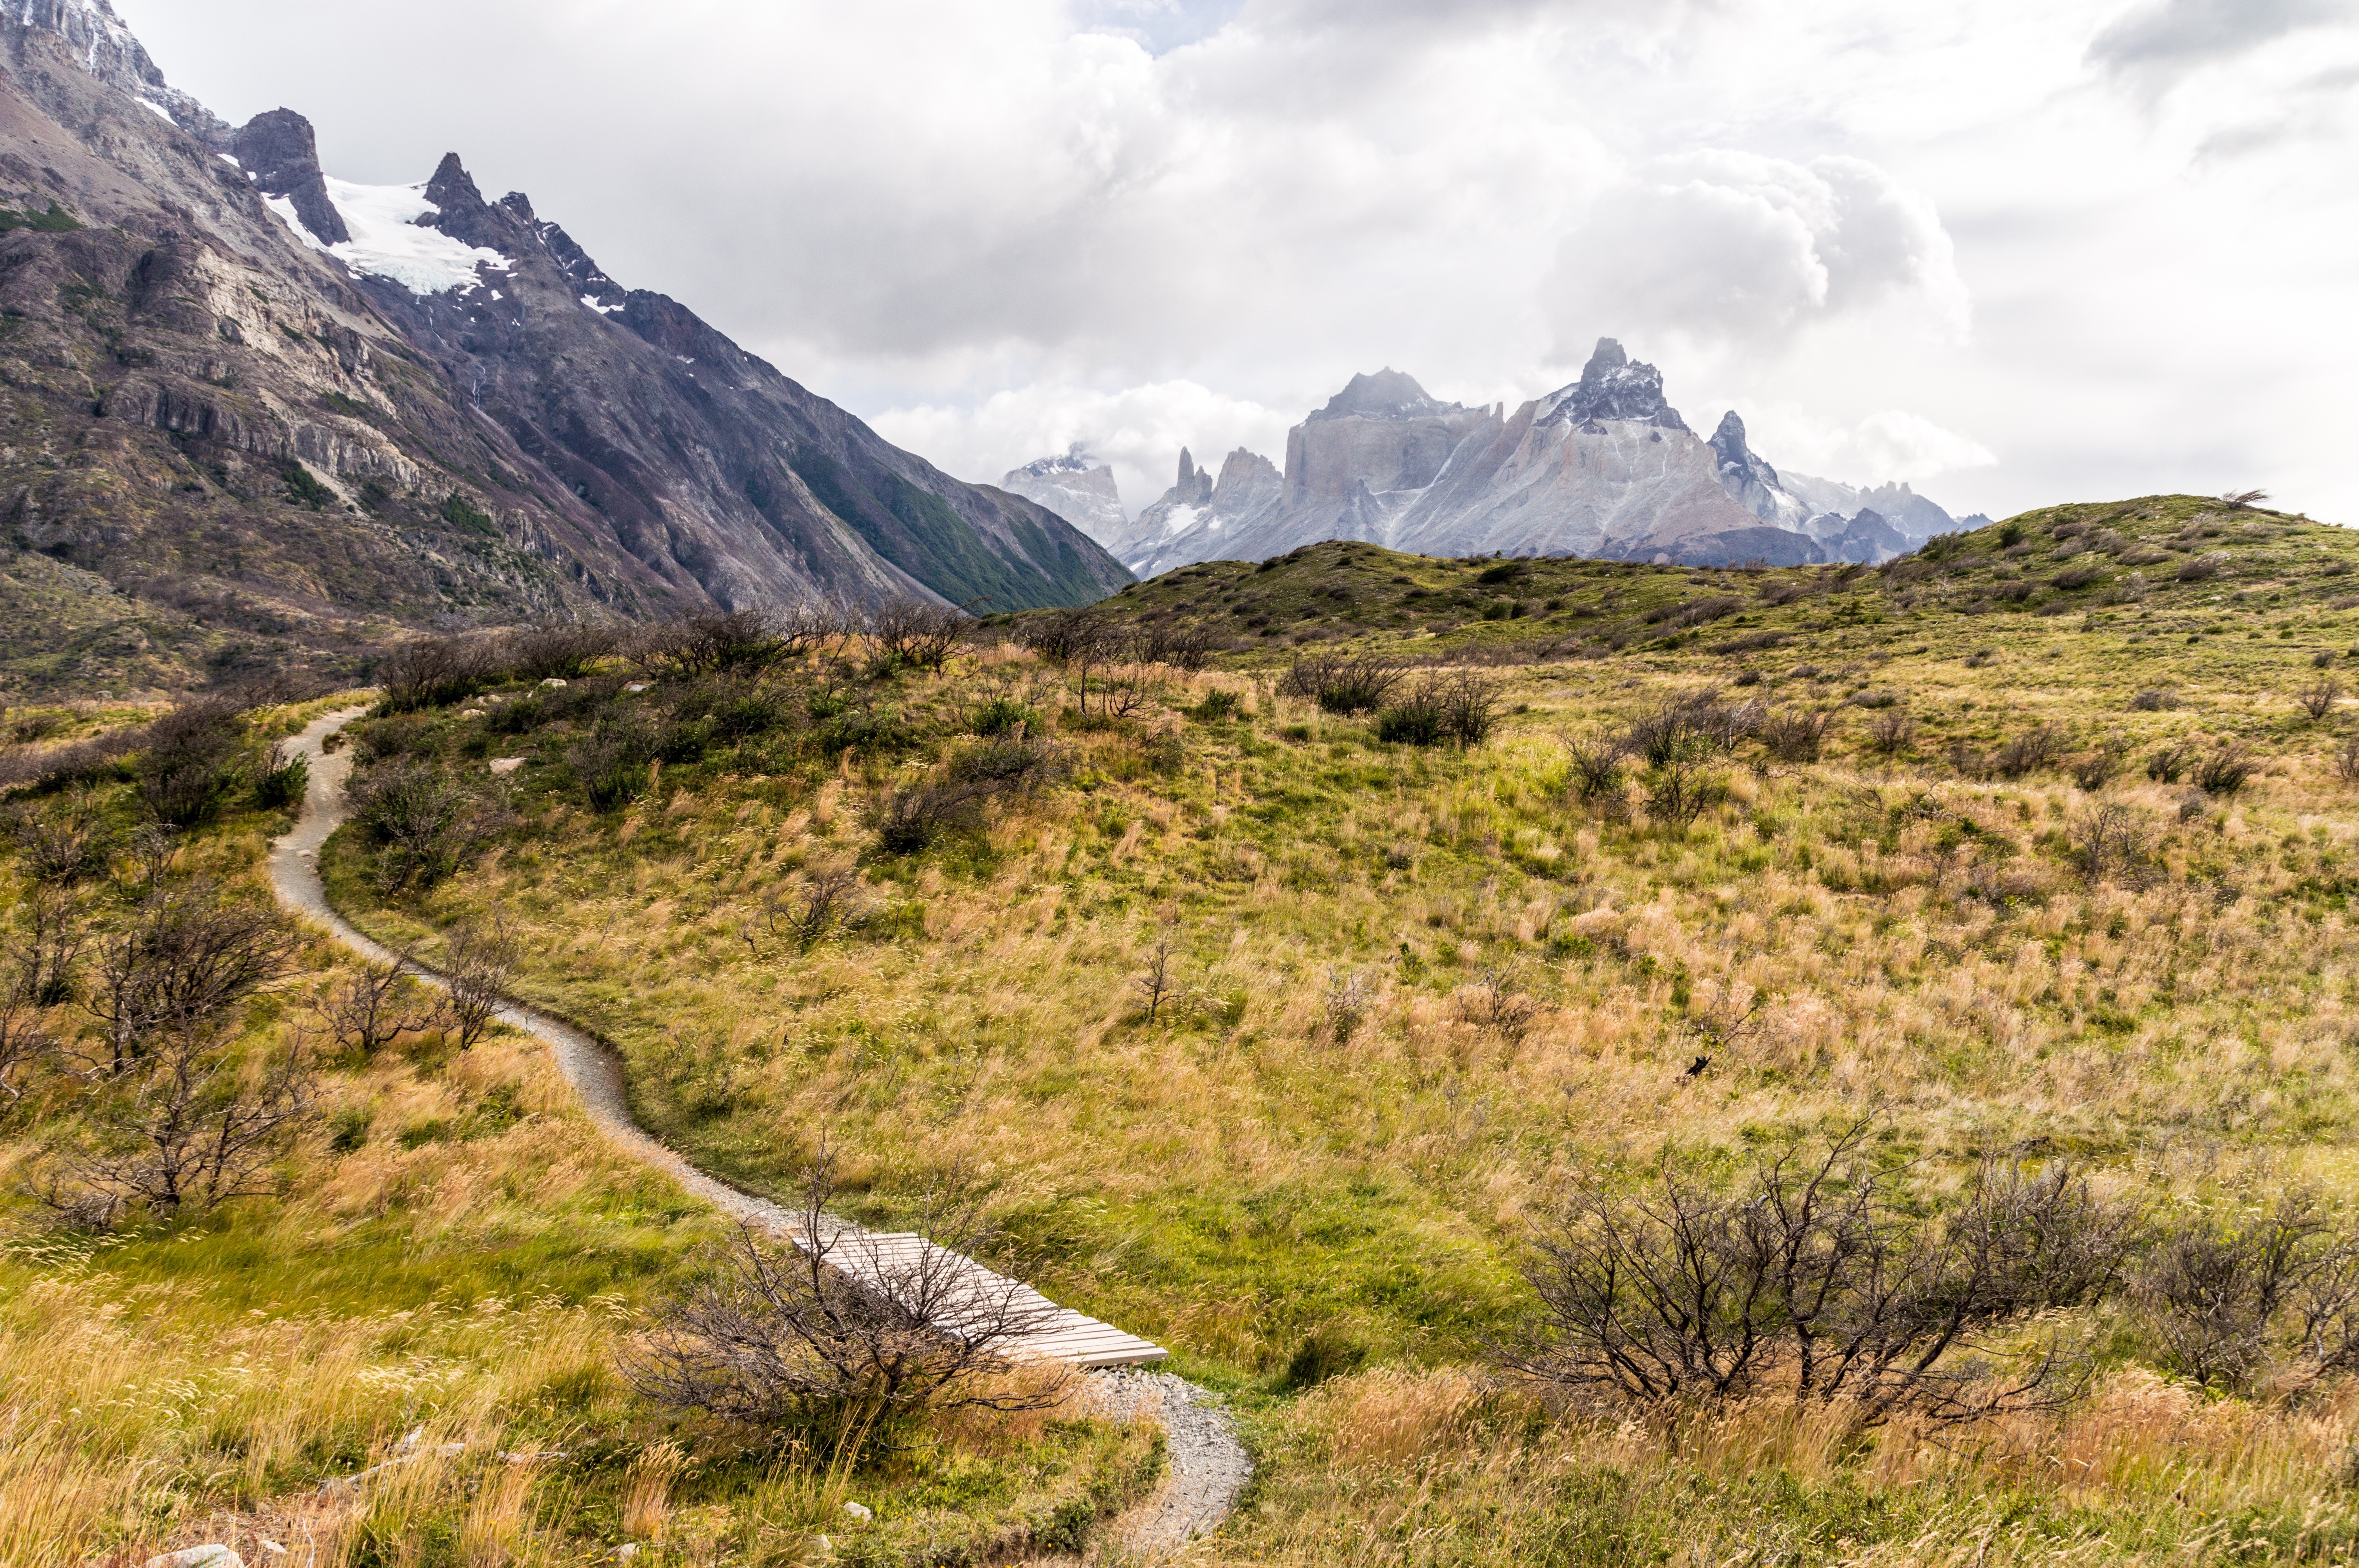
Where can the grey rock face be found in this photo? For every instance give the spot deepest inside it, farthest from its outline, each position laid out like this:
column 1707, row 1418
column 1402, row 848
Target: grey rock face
column 1081, row 492
column 1203, row 518
column 108, row 51
column 280, row 152
column 1750, row 481
column 1613, row 387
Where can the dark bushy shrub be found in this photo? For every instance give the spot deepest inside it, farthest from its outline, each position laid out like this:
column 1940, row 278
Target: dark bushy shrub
column 1342, row 683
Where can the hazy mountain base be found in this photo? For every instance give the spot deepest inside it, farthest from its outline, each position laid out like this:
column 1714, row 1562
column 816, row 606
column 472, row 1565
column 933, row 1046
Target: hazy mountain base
column 1327, row 1151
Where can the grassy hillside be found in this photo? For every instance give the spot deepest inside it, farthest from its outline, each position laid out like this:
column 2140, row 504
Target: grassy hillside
column 1282, row 1042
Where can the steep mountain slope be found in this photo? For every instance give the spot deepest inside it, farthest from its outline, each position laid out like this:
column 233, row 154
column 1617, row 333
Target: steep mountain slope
column 1604, row 467
column 281, row 418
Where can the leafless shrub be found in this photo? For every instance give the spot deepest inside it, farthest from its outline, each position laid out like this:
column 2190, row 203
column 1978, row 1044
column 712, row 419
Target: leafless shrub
column 558, row 652
column 741, row 641
column 909, row 820
column 1342, row 683
column 1183, row 645
column 1798, row 735
column 25, row 1040
column 1498, row 1003
column 912, row 633
column 2154, row 699
column 843, row 1328
column 2168, row 763
column 1349, row 998
column 375, row 1007
column 2224, row 770
column 1891, row 732
column 827, row 901
column 1594, row 767
column 2319, row 697
column 434, row 671
column 2193, row 805
column 2114, row 842
column 2202, row 569
column 63, row 846
column 1063, row 636
column 478, row 964
column 2232, row 1301
column 188, row 1129
column 46, row 944
column 1820, row 1276
column 2100, row 767
column 1156, row 985
column 176, row 967
column 2027, row 753
column 1457, row 705
column 2242, row 500
column 2346, row 760
column 1683, row 786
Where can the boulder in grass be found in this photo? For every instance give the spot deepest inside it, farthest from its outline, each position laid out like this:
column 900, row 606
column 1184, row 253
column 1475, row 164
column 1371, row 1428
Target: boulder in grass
column 214, row 1556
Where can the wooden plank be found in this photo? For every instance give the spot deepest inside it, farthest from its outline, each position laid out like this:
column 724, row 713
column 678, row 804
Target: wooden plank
column 1068, row 1335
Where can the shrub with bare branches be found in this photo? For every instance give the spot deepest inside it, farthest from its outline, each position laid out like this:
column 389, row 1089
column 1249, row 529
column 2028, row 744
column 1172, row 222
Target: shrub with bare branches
column 911, row 633
column 1891, row 732
column 825, row 902
column 1594, row 767
column 2319, row 697
column 2232, row 1300
column 1342, row 683
column 2028, row 753
column 1798, row 735
column 844, row 1329
column 2346, row 760
column 25, row 1039
column 375, row 1006
column 422, row 820
column 478, row 964
column 193, row 762
column 2225, row 770
column 192, row 1127
column 2115, row 843
column 180, row 965
column 1823, row 1276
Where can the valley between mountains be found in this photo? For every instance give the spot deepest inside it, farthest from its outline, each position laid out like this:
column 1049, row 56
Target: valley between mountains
column 1606, row 1000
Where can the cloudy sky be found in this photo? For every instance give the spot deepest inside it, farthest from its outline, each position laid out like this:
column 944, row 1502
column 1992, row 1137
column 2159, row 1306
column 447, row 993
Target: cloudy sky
column 2014, row 251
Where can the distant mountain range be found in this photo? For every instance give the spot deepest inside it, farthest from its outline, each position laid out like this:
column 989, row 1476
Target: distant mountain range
column 1603, row 468
column 258, row 415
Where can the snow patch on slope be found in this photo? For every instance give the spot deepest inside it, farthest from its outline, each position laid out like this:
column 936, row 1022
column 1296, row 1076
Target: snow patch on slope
column 388, row 241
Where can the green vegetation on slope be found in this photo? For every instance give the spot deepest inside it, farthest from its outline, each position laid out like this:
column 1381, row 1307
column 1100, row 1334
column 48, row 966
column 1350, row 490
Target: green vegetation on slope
column 1416, row 992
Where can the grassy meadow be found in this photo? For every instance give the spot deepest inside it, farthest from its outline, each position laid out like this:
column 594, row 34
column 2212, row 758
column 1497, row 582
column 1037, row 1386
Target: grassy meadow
column 1281, row 1043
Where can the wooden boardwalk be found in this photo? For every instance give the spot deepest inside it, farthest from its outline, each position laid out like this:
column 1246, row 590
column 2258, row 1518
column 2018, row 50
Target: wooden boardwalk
column 899, row 1263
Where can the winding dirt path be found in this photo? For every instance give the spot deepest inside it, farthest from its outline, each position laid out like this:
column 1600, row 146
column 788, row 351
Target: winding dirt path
column 1209, row 1467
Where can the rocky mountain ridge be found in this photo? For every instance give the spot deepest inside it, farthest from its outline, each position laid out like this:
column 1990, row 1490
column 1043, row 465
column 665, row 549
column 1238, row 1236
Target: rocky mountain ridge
column 1604, row 467
column 283, row 417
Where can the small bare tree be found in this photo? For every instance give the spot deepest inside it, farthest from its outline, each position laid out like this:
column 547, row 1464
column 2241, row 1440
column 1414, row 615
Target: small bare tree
column 476, row 969
column 24, row 1042
column 1595, row 767
column 187, row 958
column 2319, row 697
column 843, row 1328
column 190, row 1128
column 46, row 945
column 2116, row 842
column 826, row 902
column 2242, row 500
column 2346, row 760
column 371, row 1009
column 1891, row 732
column 913, row 634
column 1156, row 986
column 152, row 848
column 1498, row 1003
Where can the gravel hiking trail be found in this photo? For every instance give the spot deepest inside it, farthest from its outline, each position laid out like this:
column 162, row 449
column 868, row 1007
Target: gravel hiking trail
column 1209, row 1467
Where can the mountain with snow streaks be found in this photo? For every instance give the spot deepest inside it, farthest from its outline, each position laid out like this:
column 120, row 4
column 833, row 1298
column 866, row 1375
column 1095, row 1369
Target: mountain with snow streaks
column 280, row 417
column 1604, row 467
